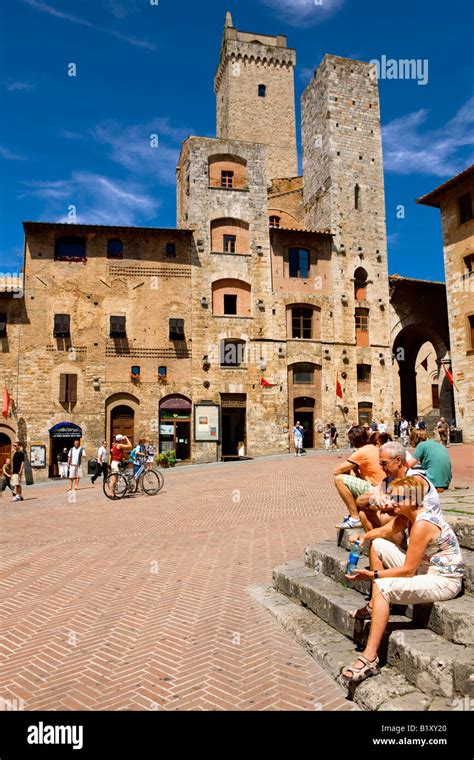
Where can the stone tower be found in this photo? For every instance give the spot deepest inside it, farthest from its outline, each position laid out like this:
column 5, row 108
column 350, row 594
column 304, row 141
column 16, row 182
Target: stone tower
column 344, row 190
column 254, row 87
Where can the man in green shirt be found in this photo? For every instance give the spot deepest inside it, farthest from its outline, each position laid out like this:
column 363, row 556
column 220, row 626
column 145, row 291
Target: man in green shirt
column 432, row 457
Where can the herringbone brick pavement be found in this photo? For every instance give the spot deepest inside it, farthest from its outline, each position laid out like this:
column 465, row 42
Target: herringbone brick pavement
column 143, row 604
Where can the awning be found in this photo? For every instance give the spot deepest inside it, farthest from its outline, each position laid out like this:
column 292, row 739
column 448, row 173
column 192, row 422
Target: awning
column 176, row 403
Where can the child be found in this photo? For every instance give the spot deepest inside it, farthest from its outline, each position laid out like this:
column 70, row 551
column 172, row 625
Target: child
column 7, row 473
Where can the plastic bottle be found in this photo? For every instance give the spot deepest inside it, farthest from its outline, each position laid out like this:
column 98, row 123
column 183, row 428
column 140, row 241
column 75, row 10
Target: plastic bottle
column 356, row 551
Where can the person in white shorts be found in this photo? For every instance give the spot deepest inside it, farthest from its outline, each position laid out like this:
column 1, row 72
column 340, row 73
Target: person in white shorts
column 431, row 570
column 75, row 457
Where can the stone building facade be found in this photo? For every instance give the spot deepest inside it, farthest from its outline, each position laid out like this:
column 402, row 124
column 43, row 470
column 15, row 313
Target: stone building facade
column 212, row 339
column 455, row 200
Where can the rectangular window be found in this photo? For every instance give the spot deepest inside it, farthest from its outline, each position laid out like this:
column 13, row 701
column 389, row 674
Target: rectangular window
column 227, row 180
column 362, row 327
column 302, row 323
column 232, row 353
column 364, row 372
column 162, row 371
column 62, row 326
column 3, row 325
column 171, row 250
column 177, row 329
column 465, row 208
column 118, row 327
column 365, row 414
column 67, row 389
column 471, row 330
column 229, row 243
column 136, row 371
column 469, row 264
column 230, row 304
column 299, row 262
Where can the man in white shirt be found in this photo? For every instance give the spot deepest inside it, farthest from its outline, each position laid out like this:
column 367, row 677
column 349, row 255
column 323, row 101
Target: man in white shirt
column 102, row 467
column 74, row 460
column 404, row 431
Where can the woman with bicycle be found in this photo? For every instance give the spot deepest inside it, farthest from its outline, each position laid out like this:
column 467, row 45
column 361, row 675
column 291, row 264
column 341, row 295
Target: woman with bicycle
column 121, row 445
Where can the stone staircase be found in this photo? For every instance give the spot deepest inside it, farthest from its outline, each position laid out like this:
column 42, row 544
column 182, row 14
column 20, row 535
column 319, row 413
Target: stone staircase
column 428, row 651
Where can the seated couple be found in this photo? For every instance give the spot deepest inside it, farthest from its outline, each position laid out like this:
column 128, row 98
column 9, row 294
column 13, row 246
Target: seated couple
column 430, row 570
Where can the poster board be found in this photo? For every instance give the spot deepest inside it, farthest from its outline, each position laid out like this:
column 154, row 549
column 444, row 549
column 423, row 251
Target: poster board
column 206, row 423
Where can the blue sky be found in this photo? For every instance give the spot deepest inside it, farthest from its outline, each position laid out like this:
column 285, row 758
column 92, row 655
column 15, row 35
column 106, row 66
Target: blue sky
column 145, row 68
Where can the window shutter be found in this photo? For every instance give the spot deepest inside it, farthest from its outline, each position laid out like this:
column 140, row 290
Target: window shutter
column 176, row 329
column 72, row 394
column 117, row 326
column 62, row 388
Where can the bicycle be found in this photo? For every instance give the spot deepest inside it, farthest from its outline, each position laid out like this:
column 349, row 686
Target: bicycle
column 150, row 481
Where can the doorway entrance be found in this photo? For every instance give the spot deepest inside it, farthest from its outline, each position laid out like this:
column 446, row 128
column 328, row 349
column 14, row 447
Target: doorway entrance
column 122, row 422
column 304, row 413
column 234, row 418
column 61, row 437
column 175, row 427
column 5, row 449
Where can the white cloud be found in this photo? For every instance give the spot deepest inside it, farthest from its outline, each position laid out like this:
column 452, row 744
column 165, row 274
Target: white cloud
column 97, row 198
column 51, row 11
column 297, row 12
column 130, row 146
column 8, row 155
column 410, row 148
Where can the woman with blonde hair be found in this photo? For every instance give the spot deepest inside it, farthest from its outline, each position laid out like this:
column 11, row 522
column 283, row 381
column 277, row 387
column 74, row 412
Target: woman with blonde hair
column 431, row 570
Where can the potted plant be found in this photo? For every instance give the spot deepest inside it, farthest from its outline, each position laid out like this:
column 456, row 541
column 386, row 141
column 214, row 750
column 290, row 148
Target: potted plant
column 167, row 459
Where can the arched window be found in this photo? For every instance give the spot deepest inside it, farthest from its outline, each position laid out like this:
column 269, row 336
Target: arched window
column 232, row 352
column 230, row 236
column 227, row 172
column 262, row 90
column 114, row 249
column 70, row 249
column 275, row 221
column 360, row 284
column 231, row 297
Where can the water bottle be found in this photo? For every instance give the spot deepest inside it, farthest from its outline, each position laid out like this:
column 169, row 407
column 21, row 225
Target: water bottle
column 356, row 551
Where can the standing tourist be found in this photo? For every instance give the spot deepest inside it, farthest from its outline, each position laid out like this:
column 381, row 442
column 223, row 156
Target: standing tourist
column 74, row 460
column 396, row 424
column 327, row 437
column 404, row 431
column 150, row 455
column 382, row 428
column 62, row 463
column 334, row 436
column 102, row 468
column 298, row 432
column 18, row 465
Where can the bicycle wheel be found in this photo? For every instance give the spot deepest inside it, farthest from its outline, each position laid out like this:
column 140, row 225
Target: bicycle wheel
column 121, row 486
column 152, row 483
column 132, row 484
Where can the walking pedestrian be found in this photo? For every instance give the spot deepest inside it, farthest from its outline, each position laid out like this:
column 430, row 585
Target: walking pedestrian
column 334, row 437
column 102, row 467
column 74, row 460
column 443, row 431
column 62, row 463
column 298, row 432
column 18, row 465
column 396, row 424
column 6, row 476
column 327, row 437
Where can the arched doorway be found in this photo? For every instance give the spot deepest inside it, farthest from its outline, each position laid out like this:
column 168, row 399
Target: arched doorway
column 122, row 422
column 175, row 426
column 304, row 413
column 5, row 449
column 61, row 436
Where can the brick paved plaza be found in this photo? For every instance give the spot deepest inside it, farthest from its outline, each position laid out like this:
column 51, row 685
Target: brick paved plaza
column 143, row 604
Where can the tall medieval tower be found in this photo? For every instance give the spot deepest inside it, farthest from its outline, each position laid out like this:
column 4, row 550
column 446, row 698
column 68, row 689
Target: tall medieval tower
column 344, row 190
column 254, row 87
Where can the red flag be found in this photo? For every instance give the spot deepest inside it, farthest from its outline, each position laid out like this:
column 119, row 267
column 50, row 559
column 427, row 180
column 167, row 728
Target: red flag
column 424, row 364
column 6, row 403
column 450, row 377
column 265, row 384
column 339, row 393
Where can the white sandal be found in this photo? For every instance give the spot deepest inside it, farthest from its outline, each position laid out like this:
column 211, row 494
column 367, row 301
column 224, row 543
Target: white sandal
column 368, row 670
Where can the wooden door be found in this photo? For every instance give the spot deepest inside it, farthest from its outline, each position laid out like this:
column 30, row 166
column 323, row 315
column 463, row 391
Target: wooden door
column 123, row 422
column 5, row 450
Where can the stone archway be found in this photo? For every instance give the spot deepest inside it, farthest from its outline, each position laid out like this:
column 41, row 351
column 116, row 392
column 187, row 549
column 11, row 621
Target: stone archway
column 418, row 316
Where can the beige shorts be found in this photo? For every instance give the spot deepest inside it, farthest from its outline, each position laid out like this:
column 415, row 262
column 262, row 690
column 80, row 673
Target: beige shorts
column 419, row 589
column 75, row 471
column 15, row 480
column 115, row 467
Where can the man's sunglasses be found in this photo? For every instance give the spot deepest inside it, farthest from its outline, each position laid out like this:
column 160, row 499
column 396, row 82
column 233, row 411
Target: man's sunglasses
column 385, row 464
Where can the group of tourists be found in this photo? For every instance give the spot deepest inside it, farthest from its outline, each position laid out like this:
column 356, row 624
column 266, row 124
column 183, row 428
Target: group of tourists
column 12, row 472
column 393, row 497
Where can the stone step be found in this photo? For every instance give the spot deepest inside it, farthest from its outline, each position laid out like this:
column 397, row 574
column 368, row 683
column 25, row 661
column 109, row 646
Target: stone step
column 463, row 527
column 389, row 691
column 332, row 603
column 453, row 619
